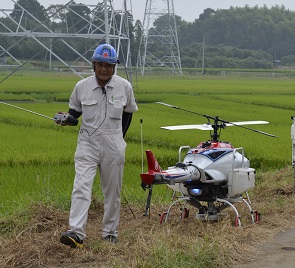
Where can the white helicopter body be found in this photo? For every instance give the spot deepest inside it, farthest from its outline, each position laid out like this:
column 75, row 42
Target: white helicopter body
column 210, row 171
column 213, row 172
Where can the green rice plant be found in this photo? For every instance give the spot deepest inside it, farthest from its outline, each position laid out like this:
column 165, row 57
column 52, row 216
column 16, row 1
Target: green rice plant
column 216, row 85
column 34, row 82
column 23, row 185
column 282, row 101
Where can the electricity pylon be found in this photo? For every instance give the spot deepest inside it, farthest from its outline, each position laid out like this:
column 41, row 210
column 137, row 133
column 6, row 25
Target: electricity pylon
column 158, row 49
column 101, row 24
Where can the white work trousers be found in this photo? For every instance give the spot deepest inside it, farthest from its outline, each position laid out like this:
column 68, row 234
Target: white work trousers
column 105, row 151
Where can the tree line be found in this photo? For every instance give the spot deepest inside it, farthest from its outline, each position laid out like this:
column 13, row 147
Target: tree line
column 238, row 37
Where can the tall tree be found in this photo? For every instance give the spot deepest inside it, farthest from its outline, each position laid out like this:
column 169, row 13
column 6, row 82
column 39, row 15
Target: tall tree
column 33, row 7
column 78, row 18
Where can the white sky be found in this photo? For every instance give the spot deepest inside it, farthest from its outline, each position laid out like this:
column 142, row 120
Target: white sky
column 188, row 10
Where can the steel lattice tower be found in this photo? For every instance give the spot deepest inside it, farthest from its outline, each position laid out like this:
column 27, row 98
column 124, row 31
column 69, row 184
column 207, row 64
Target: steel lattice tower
column 159, row 48
column 102, row 24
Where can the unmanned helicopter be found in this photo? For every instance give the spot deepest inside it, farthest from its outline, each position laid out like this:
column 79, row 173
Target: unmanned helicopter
column 211, row 177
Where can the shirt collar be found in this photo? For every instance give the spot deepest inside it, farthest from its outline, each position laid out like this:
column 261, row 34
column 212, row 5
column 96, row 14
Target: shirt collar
column 110, row 83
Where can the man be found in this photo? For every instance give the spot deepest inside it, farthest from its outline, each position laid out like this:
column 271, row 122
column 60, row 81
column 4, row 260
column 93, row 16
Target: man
column 106, row 103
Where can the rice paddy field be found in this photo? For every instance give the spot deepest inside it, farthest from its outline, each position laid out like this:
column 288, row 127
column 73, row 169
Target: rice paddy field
column 36, row 159
column 37, row 156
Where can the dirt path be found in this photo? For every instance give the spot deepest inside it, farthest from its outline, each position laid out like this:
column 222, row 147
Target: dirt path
column 279, row 253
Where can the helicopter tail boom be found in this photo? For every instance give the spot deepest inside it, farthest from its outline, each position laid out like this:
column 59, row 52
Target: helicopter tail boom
column 179, row 173
column 153, row 169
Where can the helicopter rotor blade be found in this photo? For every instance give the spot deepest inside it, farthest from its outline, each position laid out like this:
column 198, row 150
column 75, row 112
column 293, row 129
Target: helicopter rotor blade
column 176, row 107
column 182, row 127
column 240, row 124
column 264, row 133
column 209, row 127
column 252, row 129
column 230, row 124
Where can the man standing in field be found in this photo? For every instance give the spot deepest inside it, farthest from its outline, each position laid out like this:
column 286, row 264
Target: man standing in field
column 106, row 103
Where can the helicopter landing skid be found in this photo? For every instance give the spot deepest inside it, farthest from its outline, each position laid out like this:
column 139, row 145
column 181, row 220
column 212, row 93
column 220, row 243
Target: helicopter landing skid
column 228, row 203
column 212, row 212
column 183, row 201
column 210, row 217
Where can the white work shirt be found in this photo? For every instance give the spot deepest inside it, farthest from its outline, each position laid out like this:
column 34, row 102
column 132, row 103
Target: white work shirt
column 103, row 111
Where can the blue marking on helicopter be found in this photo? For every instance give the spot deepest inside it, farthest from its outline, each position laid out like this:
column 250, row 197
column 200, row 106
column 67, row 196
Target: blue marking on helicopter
column 172, row 176
column 215, row 154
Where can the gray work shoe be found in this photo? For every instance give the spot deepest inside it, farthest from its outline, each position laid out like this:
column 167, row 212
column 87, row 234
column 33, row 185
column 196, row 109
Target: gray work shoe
column 111, row 238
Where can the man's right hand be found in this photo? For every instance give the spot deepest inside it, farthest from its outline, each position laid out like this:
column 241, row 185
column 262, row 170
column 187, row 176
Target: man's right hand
column 61, row 118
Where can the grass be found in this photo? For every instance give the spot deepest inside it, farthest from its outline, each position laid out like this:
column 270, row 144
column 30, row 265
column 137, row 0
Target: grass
column 37, row 171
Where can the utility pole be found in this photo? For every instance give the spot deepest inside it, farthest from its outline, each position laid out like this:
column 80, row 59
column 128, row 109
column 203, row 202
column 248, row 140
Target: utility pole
column 203, row 55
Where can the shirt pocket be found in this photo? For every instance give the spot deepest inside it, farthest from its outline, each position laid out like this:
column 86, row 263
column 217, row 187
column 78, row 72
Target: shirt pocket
column 89, row 109
column 116, row 109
